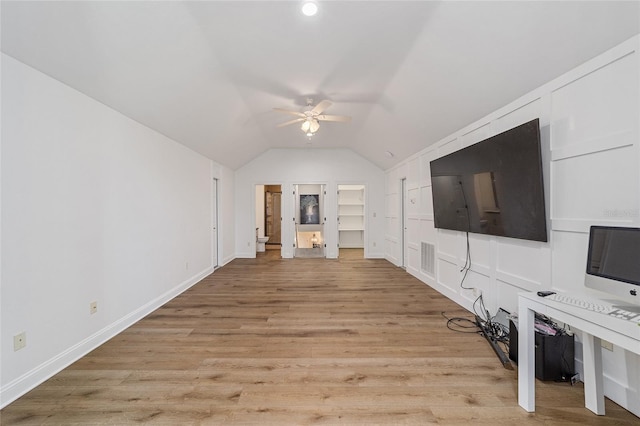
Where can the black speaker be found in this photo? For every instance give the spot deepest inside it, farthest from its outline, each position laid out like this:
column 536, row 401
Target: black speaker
column 555, row 356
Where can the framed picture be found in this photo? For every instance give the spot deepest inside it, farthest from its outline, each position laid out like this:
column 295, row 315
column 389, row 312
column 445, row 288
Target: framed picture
column 309, row 209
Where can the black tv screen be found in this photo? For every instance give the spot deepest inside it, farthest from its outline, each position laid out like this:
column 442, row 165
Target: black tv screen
column 493, row 187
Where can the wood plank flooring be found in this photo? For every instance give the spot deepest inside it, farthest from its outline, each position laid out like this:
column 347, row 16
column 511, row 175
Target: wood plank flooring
column 275, row 341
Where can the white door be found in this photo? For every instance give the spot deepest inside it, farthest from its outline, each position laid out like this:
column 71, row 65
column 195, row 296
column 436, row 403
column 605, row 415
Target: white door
column 405, row 240
column 214, row 224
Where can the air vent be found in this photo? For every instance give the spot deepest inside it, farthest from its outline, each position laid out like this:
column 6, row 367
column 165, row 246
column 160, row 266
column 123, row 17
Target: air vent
column 427, row 261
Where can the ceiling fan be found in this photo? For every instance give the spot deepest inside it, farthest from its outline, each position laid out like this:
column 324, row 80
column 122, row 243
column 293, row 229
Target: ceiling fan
column 312, row 116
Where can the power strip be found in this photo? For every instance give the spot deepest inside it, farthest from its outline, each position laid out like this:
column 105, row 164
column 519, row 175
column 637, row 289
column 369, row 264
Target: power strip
column 504, row 359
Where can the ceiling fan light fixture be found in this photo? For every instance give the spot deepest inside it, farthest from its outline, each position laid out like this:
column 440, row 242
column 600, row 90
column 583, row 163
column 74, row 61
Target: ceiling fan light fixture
column 309, row 8
column 310, row 126
column 311, row 117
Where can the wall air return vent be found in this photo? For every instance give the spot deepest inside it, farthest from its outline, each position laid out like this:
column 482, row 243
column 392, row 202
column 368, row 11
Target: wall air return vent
column 427, row 258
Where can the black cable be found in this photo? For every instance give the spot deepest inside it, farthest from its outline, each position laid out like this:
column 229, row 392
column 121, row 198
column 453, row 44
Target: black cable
column 467, row 260
column 466, row 271
column 496, row 331
column 483, row 322
column 484, row 309
column 463, row 324
column 475, row 311
column 467, row 265
column 466, row 207
column 484, row 312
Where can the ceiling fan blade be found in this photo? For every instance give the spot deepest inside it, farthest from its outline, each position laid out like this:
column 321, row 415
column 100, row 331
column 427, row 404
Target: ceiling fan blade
column 295, row 120
column 321, row 106
column 286, row 111
column 342, row 118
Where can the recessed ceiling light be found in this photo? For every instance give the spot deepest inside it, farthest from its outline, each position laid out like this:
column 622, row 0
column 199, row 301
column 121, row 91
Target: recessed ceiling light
column 309, row 8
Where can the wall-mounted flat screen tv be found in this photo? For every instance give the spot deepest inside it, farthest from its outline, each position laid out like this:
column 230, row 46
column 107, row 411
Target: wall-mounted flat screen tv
column 493, row 187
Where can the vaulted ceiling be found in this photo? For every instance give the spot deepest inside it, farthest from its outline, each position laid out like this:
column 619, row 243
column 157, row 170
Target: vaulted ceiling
column 209, row 73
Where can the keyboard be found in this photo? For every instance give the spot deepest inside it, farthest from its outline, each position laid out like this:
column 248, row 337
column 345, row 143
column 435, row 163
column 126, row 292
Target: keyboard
column 596, row 305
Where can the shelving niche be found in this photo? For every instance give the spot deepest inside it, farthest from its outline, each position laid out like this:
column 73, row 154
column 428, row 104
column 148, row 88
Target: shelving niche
column 351, row 221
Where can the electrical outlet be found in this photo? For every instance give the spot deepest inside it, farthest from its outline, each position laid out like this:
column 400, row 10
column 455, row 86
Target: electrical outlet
column 186, row 266
column 607, row 345
column 93, row 307
column 19, row 341
column 476, row 292
column 374, row 243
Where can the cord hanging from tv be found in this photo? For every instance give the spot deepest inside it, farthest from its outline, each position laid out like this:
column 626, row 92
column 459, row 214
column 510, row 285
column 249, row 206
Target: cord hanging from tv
column 493, row 187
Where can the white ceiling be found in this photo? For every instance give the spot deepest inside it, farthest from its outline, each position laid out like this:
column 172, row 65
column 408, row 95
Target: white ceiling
column 208, row 73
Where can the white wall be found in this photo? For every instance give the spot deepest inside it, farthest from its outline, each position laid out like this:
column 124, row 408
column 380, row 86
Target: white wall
column 95, row 207
column 589, row 122
column 288, row 167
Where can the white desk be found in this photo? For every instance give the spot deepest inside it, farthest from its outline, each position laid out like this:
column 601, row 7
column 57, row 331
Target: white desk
column 592, row 326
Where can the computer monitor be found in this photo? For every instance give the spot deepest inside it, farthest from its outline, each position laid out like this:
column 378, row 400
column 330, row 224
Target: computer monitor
column 613, row 263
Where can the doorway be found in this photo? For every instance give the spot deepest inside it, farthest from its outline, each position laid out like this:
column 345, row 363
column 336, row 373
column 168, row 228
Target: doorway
column 273, row 215
column 309, row 220
column 268, row 217
column 351, row 220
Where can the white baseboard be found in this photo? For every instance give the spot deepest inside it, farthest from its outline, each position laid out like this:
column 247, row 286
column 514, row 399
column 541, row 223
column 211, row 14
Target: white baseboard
column 625, row 396
column 392, row 259
column 246, row 255
column 226, row 260
column 375, row 255
column 23, row 384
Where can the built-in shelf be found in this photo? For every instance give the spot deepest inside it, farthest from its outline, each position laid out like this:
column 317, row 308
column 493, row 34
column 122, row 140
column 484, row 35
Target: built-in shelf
column 351, row 216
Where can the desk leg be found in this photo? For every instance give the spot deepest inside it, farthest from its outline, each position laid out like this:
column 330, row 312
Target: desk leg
column 526, row 358
column 592, row 366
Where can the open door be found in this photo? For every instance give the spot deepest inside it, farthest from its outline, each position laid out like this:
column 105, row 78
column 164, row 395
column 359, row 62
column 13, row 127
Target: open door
column 309, row 220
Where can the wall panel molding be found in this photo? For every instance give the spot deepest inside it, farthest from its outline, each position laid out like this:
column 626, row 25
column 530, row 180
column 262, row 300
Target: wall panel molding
column 605, row 143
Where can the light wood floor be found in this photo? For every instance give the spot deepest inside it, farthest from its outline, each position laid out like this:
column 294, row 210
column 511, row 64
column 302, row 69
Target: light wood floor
column 299, row 341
